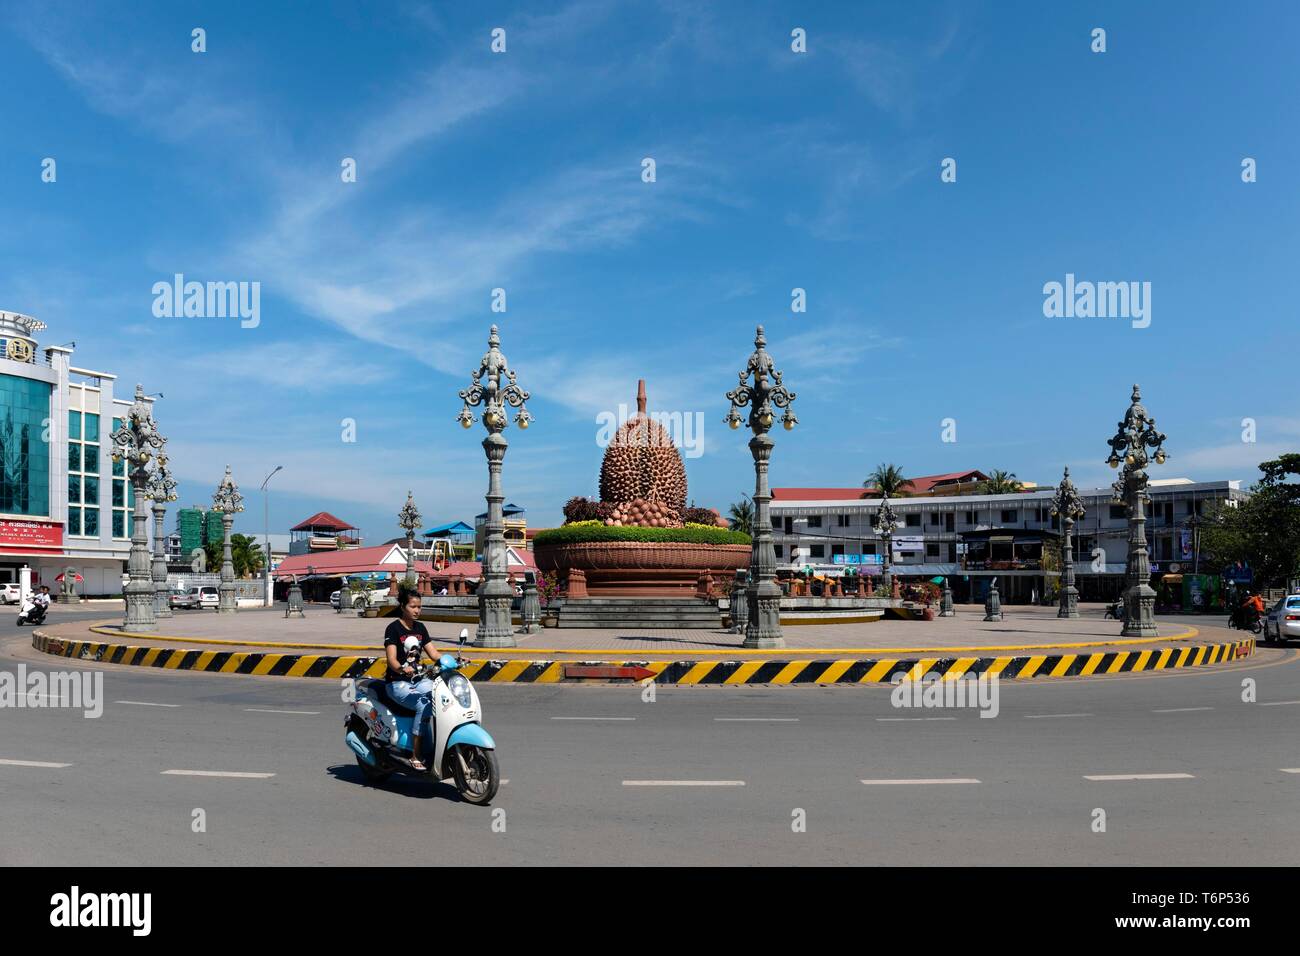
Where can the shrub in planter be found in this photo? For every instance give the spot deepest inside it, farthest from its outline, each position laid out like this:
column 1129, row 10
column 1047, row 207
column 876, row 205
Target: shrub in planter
column 568, row 534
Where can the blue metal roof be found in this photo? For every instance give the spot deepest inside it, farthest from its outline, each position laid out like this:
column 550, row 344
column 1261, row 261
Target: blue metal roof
column 444, row 530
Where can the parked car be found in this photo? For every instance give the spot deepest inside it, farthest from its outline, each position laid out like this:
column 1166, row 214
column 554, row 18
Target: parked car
column 178, row 599
column 11, row 592
column 334, row 600
column 206, row 596
column 1282, row 621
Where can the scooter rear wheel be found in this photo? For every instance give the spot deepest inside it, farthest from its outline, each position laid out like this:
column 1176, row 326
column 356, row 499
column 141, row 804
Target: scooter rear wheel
column 480, row 785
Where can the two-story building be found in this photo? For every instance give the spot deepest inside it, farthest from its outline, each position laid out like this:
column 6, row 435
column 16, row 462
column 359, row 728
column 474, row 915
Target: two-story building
column 974, row 538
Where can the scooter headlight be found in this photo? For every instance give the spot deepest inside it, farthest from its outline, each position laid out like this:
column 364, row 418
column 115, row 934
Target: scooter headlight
column 459, row 687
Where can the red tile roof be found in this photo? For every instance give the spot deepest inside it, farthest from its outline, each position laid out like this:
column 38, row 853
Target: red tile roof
column 473, row 569
column 325, row 521
column 350, row 561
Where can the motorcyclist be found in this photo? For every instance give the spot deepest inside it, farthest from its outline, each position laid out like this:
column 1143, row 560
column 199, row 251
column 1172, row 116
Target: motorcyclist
column 404, row 640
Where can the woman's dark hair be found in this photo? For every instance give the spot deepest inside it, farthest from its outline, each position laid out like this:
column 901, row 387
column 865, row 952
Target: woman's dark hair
column 404, row 595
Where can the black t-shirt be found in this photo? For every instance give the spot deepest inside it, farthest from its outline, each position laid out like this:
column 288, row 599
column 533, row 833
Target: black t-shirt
column 409, row 641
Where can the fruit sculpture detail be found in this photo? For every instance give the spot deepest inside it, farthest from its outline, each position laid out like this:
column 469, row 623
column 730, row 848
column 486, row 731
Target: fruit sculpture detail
column 642, row 476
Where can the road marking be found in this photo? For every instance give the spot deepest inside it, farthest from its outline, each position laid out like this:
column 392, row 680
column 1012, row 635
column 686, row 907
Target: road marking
column 1139, row 776
column 143, row 703
column 1045, row 716
column 916, row 718
column 919, row 780
column 1278, row 703
column 1291, row 769
column 593, row 718
column 34, row 763
column 1179, row 710
column 257, row 710
column 217, row 773
column 683, row 783
column 746, row 720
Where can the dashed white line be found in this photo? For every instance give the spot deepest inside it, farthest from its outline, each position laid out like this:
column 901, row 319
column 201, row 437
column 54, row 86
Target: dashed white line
column 683, row 783
column 922, row 781
column 1046, row 716
column 755, row 720
column 593, row 718
column 34, row 763
column 1277, row 703
column 1179, row 710
column 143, row 703
column 1290, row 769
column 1139, row 776
column 217, row 773
column 258, row 710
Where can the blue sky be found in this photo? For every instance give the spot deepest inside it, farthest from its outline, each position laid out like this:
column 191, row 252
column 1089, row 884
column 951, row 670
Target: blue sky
column 775, row 170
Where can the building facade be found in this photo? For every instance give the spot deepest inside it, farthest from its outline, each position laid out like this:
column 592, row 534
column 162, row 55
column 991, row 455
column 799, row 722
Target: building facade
column 64, row 502
column 973, row 538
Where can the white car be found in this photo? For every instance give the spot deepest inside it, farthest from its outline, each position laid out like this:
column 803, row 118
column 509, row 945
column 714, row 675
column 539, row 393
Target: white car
column 206, row 595
column 1282, row 621
column 11, row 592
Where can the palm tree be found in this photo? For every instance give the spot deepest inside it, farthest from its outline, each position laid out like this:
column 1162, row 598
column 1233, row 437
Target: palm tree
column 1001, row 482
column 888, row 480
column 742, row 516
column 245, row 554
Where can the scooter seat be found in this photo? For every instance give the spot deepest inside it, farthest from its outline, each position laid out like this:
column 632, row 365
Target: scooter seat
column 380, row 689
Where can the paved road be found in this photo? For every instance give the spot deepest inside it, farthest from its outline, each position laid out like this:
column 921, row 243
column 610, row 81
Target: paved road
column 771, row 752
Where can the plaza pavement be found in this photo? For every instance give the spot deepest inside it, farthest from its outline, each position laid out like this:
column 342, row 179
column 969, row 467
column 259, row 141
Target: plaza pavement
column 1025, row 629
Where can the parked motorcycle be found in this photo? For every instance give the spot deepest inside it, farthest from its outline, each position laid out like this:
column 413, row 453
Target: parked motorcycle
column 378, row 732
column 1115, row 609
column 32, row 612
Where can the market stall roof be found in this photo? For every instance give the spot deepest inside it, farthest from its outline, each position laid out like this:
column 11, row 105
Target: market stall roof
column 381, row 557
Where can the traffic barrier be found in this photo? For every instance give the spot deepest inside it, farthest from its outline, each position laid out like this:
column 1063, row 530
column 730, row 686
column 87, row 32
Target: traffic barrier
column 843, row 671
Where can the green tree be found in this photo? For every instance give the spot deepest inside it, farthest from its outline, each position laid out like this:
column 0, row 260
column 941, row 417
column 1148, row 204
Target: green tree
column 245, row 554
column 1001, row 482
column 741, row 516
column 888, row 480
column 1263, row 530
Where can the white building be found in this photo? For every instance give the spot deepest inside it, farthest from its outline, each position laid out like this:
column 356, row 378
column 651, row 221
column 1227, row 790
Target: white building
column 64, row 502
column 973, row 538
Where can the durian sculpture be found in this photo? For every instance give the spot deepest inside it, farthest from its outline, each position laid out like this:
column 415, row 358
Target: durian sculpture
column 642, row 474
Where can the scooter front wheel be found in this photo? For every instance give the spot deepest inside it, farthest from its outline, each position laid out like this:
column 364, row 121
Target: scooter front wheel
column 476, row 774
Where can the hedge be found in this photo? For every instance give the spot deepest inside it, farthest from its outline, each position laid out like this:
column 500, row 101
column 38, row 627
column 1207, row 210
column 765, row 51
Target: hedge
column 585, row 532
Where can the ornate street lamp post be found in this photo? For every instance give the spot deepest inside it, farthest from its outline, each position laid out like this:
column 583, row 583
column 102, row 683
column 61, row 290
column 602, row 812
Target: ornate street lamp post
column 767, row 393
column 495, row 593
column 408, row 519
column 1068, row 506
column 884, row 523
column 228, row 501
column 160, row 490
column 136, row 443
column 1133, row 436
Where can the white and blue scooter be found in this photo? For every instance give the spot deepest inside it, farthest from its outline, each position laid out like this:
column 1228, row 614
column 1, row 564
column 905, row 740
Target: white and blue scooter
column 378, row 732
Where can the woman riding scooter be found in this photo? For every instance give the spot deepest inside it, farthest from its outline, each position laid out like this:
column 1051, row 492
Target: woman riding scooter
column 404, row 640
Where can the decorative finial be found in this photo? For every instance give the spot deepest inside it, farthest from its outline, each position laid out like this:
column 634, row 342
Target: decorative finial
column 760, row 339
column 640, row 396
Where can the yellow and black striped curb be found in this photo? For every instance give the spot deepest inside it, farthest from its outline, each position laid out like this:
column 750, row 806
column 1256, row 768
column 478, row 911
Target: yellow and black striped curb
column 852, row 671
